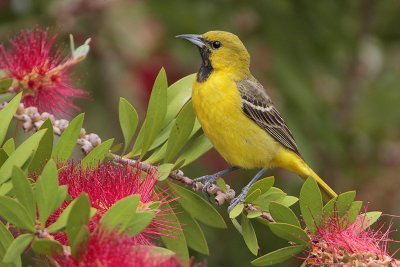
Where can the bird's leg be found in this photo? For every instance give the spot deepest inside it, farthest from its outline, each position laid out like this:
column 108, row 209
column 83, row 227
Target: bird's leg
column 210, row 179
column 241, row 197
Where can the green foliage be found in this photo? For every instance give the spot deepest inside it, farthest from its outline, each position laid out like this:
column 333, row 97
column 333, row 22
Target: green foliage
column 97, row 155
column 47, row 247
column 283, row 214
column 24, row 192
column 6, row 115
column 128, row 120
column 66, row 144
column 278, row 256
column 16, row 248
column 249, row 235
column 311, row 204
column 44, row 150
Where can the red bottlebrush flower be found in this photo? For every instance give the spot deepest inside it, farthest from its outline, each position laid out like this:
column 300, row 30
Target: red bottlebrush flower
column 109, row 183
column 115, row 250
column 40, row 72
column 339, row 243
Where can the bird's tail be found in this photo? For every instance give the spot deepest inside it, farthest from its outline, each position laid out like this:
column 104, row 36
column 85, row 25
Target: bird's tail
column 289, row 160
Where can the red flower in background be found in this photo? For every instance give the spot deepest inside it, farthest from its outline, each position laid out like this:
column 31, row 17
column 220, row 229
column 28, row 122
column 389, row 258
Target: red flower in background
column 40, row 72
column 114, row 250
column 109, row 183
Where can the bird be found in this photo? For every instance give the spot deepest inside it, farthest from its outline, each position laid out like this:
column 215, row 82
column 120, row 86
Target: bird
column 238, row 116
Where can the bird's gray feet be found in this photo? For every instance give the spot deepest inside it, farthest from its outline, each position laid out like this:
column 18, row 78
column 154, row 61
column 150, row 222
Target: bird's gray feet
column 208, row 180
column 239, row 199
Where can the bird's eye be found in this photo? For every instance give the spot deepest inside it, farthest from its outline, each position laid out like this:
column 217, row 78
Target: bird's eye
column 216, row 44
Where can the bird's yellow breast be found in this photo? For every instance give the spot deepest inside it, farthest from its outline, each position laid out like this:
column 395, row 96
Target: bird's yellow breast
column 217, row 104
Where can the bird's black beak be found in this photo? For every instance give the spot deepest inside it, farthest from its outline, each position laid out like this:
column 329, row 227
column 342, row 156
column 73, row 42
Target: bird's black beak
column 197, row 39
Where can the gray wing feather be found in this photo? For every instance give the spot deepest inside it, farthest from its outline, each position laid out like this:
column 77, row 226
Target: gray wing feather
column 257, row 105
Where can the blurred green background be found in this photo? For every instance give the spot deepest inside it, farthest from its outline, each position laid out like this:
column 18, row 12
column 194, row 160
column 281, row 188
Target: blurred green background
column 332, row 68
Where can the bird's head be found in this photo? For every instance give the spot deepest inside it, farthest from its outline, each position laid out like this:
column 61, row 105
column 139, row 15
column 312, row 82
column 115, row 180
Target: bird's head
column 221, row 51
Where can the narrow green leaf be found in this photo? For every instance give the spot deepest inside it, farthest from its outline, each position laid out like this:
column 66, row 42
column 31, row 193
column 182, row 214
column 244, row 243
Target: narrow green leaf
column 46, row 191
column 140, row 221
column 236, row 211
column 6, row 239
column 5, row 188
column 164, row 170
column 368, row 219
column 311, row 204
column 344, row 201
column 20, row 155
column 179, row 93
column 66, row 144
column 6, row 115
column 283, row 214
column 290, row 233
column 199, row 208
column 98, row 154
column 24, row 192
column 193, row 233
column 181, row 131
column 155, row 114
column 273, row 194
column 158, row 155
column 263, row 185
column 278, row 256
column 9, row 146
column 47, row 247
column 43, row 152
column 15, row 213
column 16, row 248
column 3, row 156
column 353, row 211
column 81, row 237
column 78, row 219
column 177, row 243
column 249, row 235
column 289, row 201
column 221, row 184
column 195, row 149
column 62, row 193
column 121, row 213
column 128, row 120
column 253, row 196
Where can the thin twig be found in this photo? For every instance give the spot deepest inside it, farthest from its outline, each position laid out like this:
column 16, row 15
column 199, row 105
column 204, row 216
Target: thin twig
column 32, row 120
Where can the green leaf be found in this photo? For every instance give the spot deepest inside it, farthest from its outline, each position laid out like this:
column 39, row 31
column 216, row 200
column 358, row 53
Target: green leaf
column 236, row 211
column 193, row 233
column 181, row 131
column 153, row 252
column 66, row 144
column 179, row 94
column 9, row 146
column 78, row 246
column 3, row 156
column 195, row 148
column 344, row 201
column 140, row 221
column 20, row 155
column 97, row 155
column 221, row 184
column 353, row 211
column 5, row 84
column 254, row 214
column 155, row 115
column 5, row 188
column 15, row 213
column 46, row 191
column 121, row 214
column 263, row 185
column 43, row 152
column 283, row 214
column 278, row 256
column 17, row 247
column 128, row 120
column 311, row 204
column 273, row 194
column 177, row 240
column 368, row 219
column 24, row 192
column 62, row 193
column 77, row 221
column 6, row 115
column 47, row 247
column 164, row 170
column 6, row 239
column 289, row 201
column 199, row 208
column 249, row 235
column 253, row 196
column 290, row 233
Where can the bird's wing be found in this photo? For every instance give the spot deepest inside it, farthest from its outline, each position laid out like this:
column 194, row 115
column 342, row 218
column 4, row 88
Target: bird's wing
column 257, row 105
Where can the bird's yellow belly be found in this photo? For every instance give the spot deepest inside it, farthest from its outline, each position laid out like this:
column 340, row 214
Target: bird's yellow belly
column 237, row 138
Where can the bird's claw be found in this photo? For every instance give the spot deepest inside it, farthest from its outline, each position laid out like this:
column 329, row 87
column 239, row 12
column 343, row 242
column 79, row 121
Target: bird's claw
column 239, row 199
column 208, row 181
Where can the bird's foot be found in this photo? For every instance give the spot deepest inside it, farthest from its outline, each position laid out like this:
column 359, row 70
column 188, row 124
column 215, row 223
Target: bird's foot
column 208, row 181
column 239, row 199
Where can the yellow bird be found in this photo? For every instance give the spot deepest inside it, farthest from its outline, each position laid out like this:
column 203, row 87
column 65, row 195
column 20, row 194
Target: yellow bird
column 238, row 116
